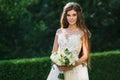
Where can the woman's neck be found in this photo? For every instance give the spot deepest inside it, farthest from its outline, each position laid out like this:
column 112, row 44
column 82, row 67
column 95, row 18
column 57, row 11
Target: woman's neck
column 72, row 26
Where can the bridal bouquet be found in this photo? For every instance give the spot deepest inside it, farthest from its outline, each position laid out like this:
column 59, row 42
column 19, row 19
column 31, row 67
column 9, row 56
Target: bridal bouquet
column 63, row 58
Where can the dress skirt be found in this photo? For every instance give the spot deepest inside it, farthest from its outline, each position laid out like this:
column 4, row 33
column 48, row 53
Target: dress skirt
column 79, row 72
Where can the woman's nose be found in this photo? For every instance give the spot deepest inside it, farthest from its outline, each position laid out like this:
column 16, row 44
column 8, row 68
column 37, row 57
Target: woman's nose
column 71, row 17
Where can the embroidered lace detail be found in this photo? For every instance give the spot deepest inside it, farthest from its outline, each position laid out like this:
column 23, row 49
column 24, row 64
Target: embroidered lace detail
column 70, row 39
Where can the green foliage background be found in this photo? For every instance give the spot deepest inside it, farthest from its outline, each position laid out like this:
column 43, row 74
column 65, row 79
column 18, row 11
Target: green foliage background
column 27, row 27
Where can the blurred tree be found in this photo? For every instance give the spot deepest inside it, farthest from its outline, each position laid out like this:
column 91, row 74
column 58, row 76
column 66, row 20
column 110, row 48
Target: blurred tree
column 27, row 27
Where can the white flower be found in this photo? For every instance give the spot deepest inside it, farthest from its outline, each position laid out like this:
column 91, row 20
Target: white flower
column 64, row 58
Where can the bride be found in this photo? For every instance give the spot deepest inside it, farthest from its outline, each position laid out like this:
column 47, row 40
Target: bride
column 73, row 35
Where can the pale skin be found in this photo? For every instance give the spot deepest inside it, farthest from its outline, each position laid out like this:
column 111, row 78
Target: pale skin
column 72, row 19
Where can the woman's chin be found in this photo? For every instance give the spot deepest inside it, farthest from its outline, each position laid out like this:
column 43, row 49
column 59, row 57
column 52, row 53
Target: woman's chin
column 71, row 23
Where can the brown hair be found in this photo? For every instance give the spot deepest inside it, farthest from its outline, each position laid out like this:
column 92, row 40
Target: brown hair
column 80, row 24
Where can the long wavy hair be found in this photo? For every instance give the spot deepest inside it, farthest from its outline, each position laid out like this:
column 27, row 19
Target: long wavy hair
column 80, row 24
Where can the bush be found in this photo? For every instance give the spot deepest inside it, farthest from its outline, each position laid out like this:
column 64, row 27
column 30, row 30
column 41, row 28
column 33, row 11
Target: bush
column 24, row 69
column 105, row 66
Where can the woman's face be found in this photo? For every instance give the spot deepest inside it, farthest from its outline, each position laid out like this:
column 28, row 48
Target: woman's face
column 72, row 17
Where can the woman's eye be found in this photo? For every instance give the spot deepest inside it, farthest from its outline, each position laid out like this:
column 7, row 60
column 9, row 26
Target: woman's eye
column 74, row 14
column 68, row 15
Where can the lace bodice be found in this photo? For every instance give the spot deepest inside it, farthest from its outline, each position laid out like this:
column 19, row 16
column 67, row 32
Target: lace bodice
column 70, row 39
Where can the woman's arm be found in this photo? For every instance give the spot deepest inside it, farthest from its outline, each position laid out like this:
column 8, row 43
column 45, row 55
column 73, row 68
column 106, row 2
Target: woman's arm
column 85, row 52
column 55, row 44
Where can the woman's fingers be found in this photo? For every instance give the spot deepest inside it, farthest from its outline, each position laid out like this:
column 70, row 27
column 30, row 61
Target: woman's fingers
column 64, row 68
column 61, row 68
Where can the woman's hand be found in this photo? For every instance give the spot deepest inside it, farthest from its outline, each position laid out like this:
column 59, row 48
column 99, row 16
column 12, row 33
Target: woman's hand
column 65, row 68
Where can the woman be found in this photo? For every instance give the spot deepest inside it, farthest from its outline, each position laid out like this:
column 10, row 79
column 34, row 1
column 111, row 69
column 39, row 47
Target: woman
column 73, row 35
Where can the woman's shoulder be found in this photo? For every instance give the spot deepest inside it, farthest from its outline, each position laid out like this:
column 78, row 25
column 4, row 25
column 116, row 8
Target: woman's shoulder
column 79, row 31
column 59, row 30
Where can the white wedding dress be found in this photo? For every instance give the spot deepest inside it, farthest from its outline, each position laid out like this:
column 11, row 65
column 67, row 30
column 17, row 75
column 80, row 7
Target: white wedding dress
column 70, row 39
